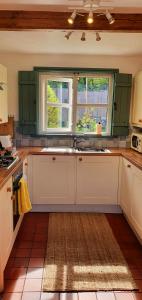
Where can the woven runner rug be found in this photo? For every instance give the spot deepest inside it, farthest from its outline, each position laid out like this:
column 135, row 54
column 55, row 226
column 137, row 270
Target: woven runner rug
column 83, row 255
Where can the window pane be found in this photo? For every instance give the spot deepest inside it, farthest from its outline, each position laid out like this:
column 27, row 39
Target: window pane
column 57, row 117
column 88, row 117
column 93, row 90
column 57, row 91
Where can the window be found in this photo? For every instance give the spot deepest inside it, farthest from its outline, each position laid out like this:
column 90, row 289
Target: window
column 75, row 103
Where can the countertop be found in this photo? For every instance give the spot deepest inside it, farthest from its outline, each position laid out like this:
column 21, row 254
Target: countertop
column 131, row 155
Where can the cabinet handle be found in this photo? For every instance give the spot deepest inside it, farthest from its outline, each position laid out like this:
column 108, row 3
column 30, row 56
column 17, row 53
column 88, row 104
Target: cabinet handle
column 26, row 164
column 9, row 189
column 140, row 121
column 13, row 198
column 128, row 166
column 80, row 158
column 0, row 120
column 54, row 158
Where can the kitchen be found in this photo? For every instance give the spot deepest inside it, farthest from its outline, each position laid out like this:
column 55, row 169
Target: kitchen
column 71, row 176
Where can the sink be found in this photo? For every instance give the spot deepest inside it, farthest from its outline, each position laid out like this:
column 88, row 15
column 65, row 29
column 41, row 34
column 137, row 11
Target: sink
column 93, row 150
column 73, row 150
column 58, row 149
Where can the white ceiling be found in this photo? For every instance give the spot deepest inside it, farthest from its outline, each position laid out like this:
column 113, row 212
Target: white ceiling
column 119, row 5
column 44, row 42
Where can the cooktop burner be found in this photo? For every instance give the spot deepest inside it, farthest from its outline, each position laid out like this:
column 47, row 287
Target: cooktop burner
column 7, row 161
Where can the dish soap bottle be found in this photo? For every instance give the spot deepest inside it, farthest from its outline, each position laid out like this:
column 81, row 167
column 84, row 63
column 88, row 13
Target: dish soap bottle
column 99, row 128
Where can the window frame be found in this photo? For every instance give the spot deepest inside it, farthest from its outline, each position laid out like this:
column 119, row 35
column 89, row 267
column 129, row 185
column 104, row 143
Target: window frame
column 73, row 115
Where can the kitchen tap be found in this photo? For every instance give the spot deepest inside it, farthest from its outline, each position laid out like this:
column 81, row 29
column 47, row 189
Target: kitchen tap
column 76, row 141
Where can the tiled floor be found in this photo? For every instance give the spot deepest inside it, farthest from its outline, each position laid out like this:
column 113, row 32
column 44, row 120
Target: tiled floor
column 24, row 270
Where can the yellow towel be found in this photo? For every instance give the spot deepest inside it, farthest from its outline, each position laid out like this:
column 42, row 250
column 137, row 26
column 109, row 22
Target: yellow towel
column 24, row 203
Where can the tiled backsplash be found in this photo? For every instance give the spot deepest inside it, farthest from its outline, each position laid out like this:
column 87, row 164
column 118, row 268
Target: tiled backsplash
column 52, row 141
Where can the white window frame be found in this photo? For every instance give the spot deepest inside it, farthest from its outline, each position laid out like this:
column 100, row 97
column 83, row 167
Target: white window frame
column 73, row 104
column 43, row 106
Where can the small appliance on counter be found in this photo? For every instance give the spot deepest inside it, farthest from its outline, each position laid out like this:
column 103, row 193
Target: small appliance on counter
column 136, row 141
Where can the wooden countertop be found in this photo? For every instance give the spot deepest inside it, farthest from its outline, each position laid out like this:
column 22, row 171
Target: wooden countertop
column 133, row 156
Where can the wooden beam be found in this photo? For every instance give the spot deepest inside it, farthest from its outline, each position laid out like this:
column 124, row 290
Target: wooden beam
column 33, row 20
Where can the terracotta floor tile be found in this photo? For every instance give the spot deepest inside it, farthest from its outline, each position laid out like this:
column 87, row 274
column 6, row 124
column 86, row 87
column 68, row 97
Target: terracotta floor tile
column 136, row 273
column 12, row 296
column 34, row 273
column 40, row 237
column 14, row 286
column 31, row 296
column 25, row 245
column 32, row 285
column 36, row 262
column 21, row 262
column 38, row 253
column 23, row 252
column 139, row 284
column 41, row 245
column 15, row 273
column 105, row 296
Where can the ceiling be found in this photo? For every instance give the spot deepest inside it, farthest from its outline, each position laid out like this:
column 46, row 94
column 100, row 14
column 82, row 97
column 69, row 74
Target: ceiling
column 60, row 5
column 44, row 42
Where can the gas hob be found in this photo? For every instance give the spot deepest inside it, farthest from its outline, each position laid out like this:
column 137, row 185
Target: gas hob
column 7, row 162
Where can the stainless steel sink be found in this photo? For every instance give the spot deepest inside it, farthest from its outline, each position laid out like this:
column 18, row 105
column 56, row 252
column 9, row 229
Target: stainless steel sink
column 92, row 150
column 75, row 150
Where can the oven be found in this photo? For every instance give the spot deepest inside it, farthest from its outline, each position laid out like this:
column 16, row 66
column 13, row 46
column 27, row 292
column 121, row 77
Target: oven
column 16, row 186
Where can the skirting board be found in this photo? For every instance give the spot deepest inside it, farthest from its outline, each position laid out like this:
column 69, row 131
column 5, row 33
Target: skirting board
column 76, row 208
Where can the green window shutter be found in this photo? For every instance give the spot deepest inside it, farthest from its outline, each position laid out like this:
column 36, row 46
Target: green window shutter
column 28, row 91
column 121, row 104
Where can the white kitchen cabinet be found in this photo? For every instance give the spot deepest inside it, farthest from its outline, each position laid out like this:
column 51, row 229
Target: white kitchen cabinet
column 6, row 226
column 136, row 200
column 137, row 103
column 53, row 179
column 3, row 95
column 97, row 179
column 131, row 195
column 126, row 185
column 25, row 169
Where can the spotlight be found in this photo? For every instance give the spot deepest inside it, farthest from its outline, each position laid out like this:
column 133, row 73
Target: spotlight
column 83, row 38
column 67, row 35
column 98, row 38
column 109, row 17
column 90, row 18
column 72, row 17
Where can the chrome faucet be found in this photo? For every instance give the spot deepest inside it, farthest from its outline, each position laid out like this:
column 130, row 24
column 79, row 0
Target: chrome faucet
column 76, row 141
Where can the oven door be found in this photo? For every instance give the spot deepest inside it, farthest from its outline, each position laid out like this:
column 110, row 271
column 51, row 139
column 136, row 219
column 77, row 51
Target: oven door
column 16, row 187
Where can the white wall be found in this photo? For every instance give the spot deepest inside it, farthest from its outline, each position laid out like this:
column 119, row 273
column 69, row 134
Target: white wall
column 18, row 62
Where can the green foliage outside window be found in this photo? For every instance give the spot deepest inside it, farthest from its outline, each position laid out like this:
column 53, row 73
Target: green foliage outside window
column 53, row 112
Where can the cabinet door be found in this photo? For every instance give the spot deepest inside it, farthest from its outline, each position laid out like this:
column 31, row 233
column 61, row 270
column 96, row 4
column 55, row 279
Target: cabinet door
column 53, row 179
column 6, row 222
column 137, row 103
column 125, row 186
column 97, row 180
column 136, row 200
column 3, row 95
column 25, row 169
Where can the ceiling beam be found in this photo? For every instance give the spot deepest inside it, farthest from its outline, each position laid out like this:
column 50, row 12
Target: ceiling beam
column 40, row 20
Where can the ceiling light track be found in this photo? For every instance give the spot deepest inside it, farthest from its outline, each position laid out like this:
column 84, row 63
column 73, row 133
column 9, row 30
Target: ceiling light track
column 91, row 6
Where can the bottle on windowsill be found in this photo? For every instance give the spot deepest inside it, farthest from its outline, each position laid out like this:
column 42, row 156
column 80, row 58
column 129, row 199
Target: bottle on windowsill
column 99, row 128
